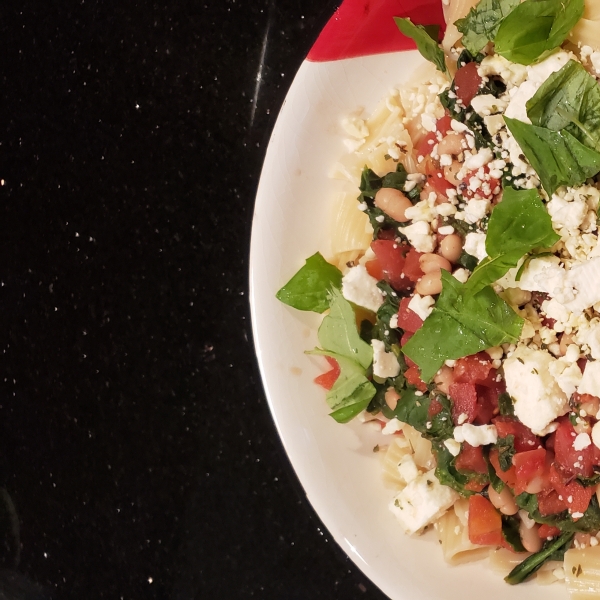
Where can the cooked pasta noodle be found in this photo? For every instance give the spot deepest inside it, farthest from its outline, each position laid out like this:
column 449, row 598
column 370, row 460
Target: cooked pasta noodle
column 582, row 573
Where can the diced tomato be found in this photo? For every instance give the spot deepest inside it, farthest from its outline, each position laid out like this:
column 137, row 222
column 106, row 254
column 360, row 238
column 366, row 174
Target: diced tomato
column 472, row 369
column 426, row 144
column 408, row 320
column 487, row 405
column 438, row 182
column 471, row 459
column 509, row 477
column 573, row 462
column 464, row 402
column 444, row 125
column 548, row 531
column 549, row 503
column 484, row 522
column 525, row 439
column 413, row 377
column 435, row 407
column 467, row 83
column 576, row 496
column 389, row 263
column 327, row 379
column 474, row 485
column 412, row 267
column 407, row 335
column 581, row 363
column 530, row 467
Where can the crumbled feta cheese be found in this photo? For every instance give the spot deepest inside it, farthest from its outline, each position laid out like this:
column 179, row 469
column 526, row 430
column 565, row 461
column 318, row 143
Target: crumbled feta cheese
column 421, row 502
column 596, row 434
column 461, row 275
column 476, row 435
column 421, row 305
column 419, row 235
column 476, row 210
column 453, row 446
column 446, row 230
column 475, row 245
column 581, row 441
column 394, row 321
column 385, row 364
column 476, row 161
column 487, row 104
column 361, row 289
column 590, row 382
column 538, row 399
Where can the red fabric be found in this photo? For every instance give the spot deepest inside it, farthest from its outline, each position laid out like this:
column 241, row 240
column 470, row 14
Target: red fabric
column 365, row 27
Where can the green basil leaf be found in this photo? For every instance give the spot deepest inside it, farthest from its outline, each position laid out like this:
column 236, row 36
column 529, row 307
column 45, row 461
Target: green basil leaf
column 510, row 532
column 506, row 451
column 535, row 27
column 309, row 288
column 446, row 470
column 461, row 324
column 481, row 25
column 505, row 405
column 517, row 225
column 557, row 156
column 413, row 408
column 338, row 332
column 426, row 45
column 569, row 99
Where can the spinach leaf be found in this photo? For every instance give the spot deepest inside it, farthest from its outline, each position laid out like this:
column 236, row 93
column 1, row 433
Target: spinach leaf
column 506, row 451
column 309, row 288
column 510, row 532
column 381, row 330
column 338, row 333
column 481, row 24
column 352, row 391
column 461, row 324
column 446, row 471
column 592, row 481
column 495, row 481
column 413, row 408
column 557, row 156
column 517, row 225
column 531, row 564
column 426, row 45
column 505, row 405
column 535, row 27
column 569, row 99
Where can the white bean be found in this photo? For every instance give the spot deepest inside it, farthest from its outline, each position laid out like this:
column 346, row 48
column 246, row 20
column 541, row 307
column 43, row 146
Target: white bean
column 393, row 203
column 451, row 247
column 503, row 501
column 430, row 284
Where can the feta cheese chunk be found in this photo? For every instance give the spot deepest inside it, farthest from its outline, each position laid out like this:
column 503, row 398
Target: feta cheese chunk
column 421, row 502
column 590, row 382
column 475, row 245
column 539, row 400
column 361, row 289
column 476, row 435
column 385, row 364
column 407, row 469
column 421, row 305
column 419, row 235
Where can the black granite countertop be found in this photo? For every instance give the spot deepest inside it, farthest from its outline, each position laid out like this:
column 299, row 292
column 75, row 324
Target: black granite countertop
column 138, row 458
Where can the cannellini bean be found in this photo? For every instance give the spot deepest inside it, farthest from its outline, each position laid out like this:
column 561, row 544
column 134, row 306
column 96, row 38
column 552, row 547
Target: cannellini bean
column 451, row 247
column 430, row 284
column 529, row 537
column 452, row 144
column 393, row 203
column 443, row 379
column 391, row 398
column 430, row 263
column 503, row 501
column 451, row 171
column 582, row 540
column 589, row 403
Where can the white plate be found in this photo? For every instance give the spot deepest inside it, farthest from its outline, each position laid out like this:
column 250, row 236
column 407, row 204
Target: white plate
column 335, row 463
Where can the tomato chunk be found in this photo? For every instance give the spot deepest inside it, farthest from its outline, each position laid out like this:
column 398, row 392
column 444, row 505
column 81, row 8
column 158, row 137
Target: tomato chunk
column 327, row 379
column 473, row 369
column 484, row 522
column 574, row 462
column 530, row 466
column 408, row 320
column 412, row 267
column 509, row 477
column 467, row 83
column 464, row 402
column 389, row 263
column 549, row 503
column 413, row 376
column 525, row 439
column 548, row 531
column 471, row 459
column 576, row 496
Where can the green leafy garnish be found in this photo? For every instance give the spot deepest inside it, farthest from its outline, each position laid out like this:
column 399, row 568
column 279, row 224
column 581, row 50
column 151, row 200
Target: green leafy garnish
column 426, row 45
column 506, row 451
column 536, row 27
column 481, row 25
column 413, row 408
column 510, row 532
column 461, row 324
column 339, row 339
column 569, row 99
column 446, row 470
column 532, row 563
column 557, row 156
column 309, row 288
column 517, row 225
column 505, row 405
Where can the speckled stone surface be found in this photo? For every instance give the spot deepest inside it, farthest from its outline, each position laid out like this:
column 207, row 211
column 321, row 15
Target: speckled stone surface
column 138, row 458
